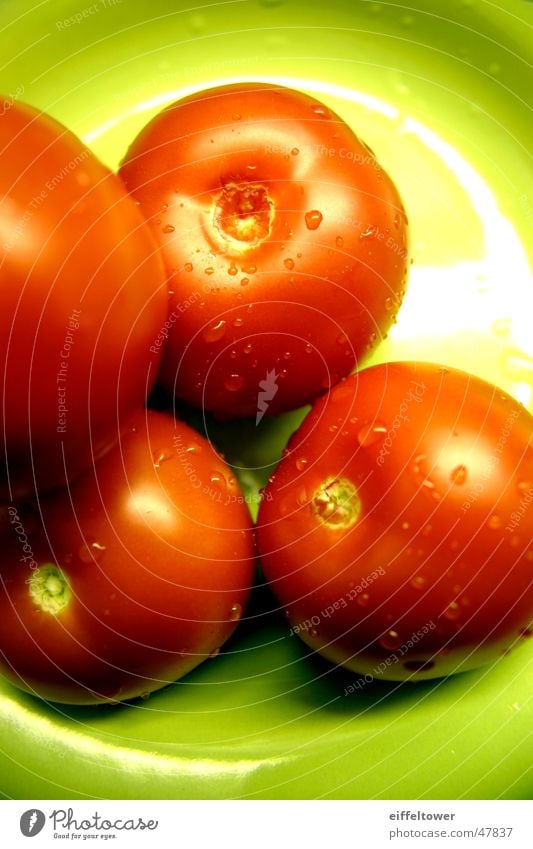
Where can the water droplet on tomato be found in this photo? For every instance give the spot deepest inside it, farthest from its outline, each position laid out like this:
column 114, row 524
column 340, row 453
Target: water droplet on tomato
column 162, row 456
column 388, row 304
column 214, row 653
column 494, row 522
column 238, row 322
column 193, row 448
column 370, row 433
column 214, row 332
column 91, row 552
column 245, row 281
column 418, row 582
column 452, row 612
column 209, row 270
column 248, row 348
column 405, row 526
column 313, row 633
column 391, row 640
column 188, row 266
column 249, row 269
column 370, row 232
column 233, row 270
column 288, row 263
column 218, row 480
column 235, row 612
column 308, row 349
column 301, row 463
column 459, row 475
column 313, row 219
column 525, row 487
column 295, row 151
column 168, row 228
column 321, row 110
column 233, row 382
column 363, row 599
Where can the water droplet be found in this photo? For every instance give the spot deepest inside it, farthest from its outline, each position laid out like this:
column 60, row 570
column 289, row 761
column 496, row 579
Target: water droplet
column 363, row 599
column 459, row 475
column 188, row 266
column 91, row 552
column 233, row 382
column 245, row 281
column 288, row 263
column 235, row 612
column 295, row 151
column 313, row 219
column 370, row 232
column 339, row 241
column 313, row 633
column 301, row 463
column 333, row 428
column 233, row 270
column 249, row 269
column 209, row 270
column 525, row 486
column 494, row 522
column 302, row 498
column 452, row 612
column 193, row 448
column 238, row 322
column 320, row 109
column 214, row 332
column 391, row 640
column 214, row 653
column 418, row 582
column 218, row 480
column 248, row 348
column 162, row 456
column 370, row 433
column 308, row 349
column 168, row 228
column 405, row 526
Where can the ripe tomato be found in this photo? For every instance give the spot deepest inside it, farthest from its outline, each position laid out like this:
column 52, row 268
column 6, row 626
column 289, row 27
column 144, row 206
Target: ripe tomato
column 398, row 530
column 130, row 579
column 83, row 300
column 284, row 239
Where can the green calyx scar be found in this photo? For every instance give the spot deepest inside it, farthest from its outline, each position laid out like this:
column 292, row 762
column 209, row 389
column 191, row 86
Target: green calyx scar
column 49, row 589
column 337, row 504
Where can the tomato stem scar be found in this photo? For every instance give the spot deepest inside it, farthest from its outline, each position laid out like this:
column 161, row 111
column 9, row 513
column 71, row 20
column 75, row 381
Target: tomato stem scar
column 49, row 588
column 336, row 503
column 243, row 214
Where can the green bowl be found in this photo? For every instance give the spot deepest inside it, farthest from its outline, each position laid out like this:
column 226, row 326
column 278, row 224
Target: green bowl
column 442, row 91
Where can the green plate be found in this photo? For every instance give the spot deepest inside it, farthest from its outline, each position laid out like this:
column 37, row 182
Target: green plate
column 442, row 92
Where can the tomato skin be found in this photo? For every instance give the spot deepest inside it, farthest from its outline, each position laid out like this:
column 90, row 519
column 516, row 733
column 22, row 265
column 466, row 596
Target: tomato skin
column 83, row 299
column 417, row 562
column 158, row 554
column 313, row 285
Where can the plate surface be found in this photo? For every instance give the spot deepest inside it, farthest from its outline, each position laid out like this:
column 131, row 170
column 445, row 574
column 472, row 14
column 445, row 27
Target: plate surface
column 442, row 93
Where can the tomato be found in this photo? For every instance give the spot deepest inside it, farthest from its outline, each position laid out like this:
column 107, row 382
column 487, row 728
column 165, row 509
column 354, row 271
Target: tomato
column 284, row 239
column 83, row 299
column 397, row 531
column 132, row 577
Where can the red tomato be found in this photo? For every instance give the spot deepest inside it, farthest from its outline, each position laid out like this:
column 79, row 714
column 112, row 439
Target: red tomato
column 83, row 299
column 130, row 579
column 284, row 239
column 398, row 530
